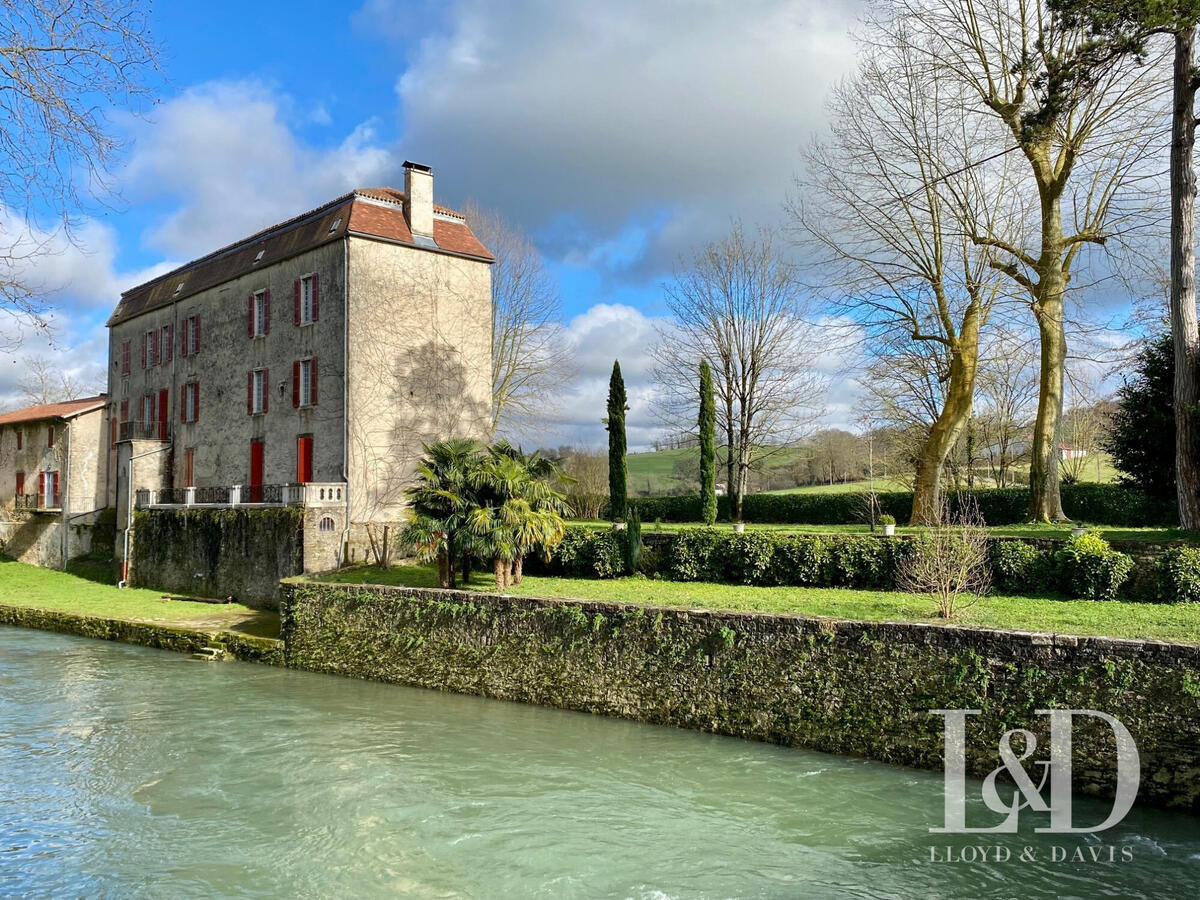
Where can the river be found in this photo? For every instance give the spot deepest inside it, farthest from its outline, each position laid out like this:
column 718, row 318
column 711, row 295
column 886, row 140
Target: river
column 129, row 772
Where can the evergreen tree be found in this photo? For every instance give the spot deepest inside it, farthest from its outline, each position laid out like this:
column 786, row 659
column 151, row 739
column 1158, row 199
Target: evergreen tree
column 1142, row 442
column 615, row 423
column 708, row 456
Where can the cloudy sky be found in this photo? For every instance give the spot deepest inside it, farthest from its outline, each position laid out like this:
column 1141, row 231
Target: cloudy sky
column 618, row 135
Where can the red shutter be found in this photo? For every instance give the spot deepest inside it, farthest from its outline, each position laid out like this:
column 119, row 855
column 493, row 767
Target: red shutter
column 41, row 487
column 267, row 312
column 249, row 393
column 183, row 389
column 312, row 382
column 250, row 318
column 20, row 438
column 316, row 295
column 296, row 384
column 54, row 489
column 143, row 351
column 125, row 357
column 124, row 410
column 170, row 341
column 196, row 332
column 183, row 338
column 296, row 302
column 195, row 401
column 20, row 483
column 266, row 389
column 50, row 436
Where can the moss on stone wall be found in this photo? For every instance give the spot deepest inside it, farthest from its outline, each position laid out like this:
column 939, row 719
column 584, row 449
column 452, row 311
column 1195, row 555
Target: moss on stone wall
column 240, row 553
column 844, row 687
column 181, row 640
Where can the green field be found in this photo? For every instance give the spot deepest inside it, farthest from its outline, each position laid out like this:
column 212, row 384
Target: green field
column 32, row 586
column 1158, row 621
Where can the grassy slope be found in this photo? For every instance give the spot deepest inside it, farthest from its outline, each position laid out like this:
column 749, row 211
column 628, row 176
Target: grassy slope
column 23, row 585
column 1120, row 619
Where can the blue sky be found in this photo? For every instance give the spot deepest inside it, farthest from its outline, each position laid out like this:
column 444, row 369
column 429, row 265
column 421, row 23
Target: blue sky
column 619, row 136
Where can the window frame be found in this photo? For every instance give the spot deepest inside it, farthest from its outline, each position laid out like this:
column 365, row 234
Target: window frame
column 258, row 398
column 260, row 313
column 306, row 299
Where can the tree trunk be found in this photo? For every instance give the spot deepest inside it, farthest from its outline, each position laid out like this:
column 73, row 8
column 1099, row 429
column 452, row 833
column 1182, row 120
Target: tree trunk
column 464, row 567
column 1045, row 496
column 956, row 410
column 500, row 571
column 1183, row 282
column 518, row 569
column 387, row 547
column 452, row 582
column 735, row 500
column 443, row 569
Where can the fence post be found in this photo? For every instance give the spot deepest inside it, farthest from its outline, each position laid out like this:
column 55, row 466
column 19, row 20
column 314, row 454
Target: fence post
column 235, row 495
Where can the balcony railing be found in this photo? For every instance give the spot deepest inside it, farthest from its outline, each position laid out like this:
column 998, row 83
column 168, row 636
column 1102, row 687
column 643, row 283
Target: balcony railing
column 143, row 431
column 312, row 494
column 37, row 502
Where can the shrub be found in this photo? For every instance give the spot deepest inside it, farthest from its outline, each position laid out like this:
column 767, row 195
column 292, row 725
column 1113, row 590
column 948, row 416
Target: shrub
column 584, row 553
column 862, row 562
column 1091, row 570
column 694, row 556
column 1179, row 576
column 886, row 519
column 801, row 560
column 1018, row 566
column 948, row 564
column 632, row 544
column 1108, row 504
column 746, row 558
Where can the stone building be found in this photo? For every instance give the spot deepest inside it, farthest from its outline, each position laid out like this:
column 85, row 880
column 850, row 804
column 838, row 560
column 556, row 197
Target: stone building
column 54, row 468
column 305, row 365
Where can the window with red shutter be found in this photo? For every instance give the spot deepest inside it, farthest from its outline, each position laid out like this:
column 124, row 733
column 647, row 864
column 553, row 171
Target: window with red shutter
column 312, row 382
column 266, row 394
column 144, row 343
column 250, row 393
column 50, row 436
column 42, row 489
column 183, row 392
column 296, row 384
column 55, row 498
column 125, row 354
column 20, row 483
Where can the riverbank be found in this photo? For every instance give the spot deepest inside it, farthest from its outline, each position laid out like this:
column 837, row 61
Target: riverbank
column 846, row 687
column 49, row 600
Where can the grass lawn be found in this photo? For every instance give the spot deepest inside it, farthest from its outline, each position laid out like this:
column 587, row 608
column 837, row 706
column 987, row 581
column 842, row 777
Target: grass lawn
column 1116, row 619
column 1030, row 531
column 23, row 585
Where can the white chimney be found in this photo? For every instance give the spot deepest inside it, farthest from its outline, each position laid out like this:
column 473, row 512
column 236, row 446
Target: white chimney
column 418, row 204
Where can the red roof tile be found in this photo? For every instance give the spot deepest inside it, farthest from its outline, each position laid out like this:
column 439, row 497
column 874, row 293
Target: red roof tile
column 354, row 213
column 64, row 410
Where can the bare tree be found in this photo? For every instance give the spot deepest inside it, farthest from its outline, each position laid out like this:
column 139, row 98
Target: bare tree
column 530, row 356
column 588, row 490
column 1050, row 101
column 949, row 562
column 45, row 381
column 738, row 304
column 1007, row 395
column 891, row 201
column 63, row 65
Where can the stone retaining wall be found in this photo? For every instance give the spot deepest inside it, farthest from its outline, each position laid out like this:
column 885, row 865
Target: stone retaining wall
column 855, row 688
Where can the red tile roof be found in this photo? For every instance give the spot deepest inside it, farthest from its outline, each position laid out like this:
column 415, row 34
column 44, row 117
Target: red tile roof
column 65, row 410
column 368, row 212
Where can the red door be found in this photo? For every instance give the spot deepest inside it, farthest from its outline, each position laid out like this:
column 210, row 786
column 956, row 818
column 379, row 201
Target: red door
column 304, row 455
column 256, row 471
column 162, row 415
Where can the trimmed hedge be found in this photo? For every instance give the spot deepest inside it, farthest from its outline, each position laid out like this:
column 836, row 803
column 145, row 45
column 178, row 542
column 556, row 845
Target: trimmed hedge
column 1101, row 504
column 1086, row 567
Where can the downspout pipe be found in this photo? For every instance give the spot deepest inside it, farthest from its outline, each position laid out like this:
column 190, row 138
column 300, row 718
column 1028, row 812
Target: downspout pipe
column 341, row 558
column 124, row 582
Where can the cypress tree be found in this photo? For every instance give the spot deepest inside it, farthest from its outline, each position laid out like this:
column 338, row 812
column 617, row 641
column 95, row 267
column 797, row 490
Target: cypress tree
column 708, row 455
column 615, row 423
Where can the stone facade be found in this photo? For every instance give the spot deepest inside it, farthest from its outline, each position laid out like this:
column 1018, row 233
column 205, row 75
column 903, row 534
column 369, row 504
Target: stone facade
column 396, row 341
column 40, row 526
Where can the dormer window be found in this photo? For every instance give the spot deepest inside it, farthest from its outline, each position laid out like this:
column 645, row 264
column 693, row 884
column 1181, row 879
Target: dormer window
column 259, row 255
column 334, row 226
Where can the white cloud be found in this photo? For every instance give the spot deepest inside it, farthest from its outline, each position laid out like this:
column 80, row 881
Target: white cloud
column 604, row 112
column 225, row 153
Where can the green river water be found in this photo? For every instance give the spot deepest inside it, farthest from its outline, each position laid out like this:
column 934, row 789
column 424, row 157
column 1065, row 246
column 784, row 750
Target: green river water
column 128, row 772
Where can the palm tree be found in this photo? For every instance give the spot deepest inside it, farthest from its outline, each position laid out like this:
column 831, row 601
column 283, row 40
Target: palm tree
column 440, row 504
column 519, row 509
